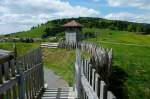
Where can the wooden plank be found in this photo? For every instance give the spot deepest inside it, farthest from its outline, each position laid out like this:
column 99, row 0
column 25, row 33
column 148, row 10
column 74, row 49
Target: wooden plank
column 13, row 71
column 38, row 79
column 84, row 65
column 8, row 84
column 87, row 67
column 35, row 79
column 93, row 78
column 105, row 92
column 27, row 62
column 5, row 58
column 88, row 89
column 1, row 74
column 102, row 90
column 28, row 77
column 21, row 85
column 78, row 71
column 7, row 77
column 78, row 78
column 30, row 71
column 110, row 95
column 97, row 77
column 1, row 80
column 27, row 87
column 6, row 71
column 90, row 74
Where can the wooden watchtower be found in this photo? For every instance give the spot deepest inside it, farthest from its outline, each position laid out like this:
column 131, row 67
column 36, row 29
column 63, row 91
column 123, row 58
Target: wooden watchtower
column 73, row 31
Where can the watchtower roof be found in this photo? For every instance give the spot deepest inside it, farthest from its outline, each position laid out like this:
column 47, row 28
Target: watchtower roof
column 72, row 23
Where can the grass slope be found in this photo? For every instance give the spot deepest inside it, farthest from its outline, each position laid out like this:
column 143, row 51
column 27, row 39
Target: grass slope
column 133, row 60
column 119, row 36
column 37, row 32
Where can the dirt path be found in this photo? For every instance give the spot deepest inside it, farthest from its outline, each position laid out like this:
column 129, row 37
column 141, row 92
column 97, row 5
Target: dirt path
column 52, row 80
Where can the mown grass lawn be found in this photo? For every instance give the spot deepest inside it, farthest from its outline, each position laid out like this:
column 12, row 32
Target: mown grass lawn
column 133, row 60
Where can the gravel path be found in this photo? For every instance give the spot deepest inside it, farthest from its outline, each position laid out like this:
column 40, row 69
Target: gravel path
column 52, row 80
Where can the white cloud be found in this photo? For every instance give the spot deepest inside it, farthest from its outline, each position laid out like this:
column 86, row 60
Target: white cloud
column 140, row 18
column 31, row 12
column 53, row 8
column 11, row 28
column 142, row 4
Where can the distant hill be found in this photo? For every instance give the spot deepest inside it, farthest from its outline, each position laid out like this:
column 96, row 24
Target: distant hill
column 54, row 27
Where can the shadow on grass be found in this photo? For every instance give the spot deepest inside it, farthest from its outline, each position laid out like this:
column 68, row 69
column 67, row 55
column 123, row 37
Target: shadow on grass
column 116, row 82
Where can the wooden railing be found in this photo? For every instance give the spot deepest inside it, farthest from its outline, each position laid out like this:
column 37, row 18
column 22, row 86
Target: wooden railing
column 100, row 58
column 89, row 84
column 22, row 78
column 91, row 75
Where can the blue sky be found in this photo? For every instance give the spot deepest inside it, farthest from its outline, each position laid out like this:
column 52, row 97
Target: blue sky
column 19, row 15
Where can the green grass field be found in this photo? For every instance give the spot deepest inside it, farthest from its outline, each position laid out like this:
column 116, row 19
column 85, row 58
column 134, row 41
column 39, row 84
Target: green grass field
column 133, row 60
column 119, row 36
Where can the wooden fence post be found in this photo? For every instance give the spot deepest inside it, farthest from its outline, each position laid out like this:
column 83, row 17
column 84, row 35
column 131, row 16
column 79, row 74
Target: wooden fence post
column 78, row 67
column 21, row 81
column 1, row 80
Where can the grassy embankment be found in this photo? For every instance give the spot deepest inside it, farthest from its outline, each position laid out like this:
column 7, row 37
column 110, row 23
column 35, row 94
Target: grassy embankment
column 133, row 60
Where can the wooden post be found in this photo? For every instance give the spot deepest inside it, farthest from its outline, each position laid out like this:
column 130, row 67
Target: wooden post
column 110, row 95
column 1, row 80
column 15, row 50
column 7, row 77
column 102, row 90
column 41, row 70
column 21, row 82
column 78, row 66
column 13, row 68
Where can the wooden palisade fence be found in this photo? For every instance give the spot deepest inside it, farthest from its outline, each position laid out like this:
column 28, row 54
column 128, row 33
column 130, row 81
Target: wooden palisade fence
column 22, row 78
column 91, row 75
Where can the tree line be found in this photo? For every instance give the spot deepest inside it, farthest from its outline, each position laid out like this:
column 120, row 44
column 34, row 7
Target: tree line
column 100, row 23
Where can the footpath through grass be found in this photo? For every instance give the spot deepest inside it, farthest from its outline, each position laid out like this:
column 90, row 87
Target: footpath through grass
column 61, row 61
column 132, row 61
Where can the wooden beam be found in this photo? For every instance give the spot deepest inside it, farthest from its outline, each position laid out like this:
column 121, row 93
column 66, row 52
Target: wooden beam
column 88, row 89
column 8, row 84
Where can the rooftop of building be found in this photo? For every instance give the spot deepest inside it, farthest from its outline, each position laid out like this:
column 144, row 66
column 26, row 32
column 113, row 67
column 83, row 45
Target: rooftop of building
column 72, row 23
